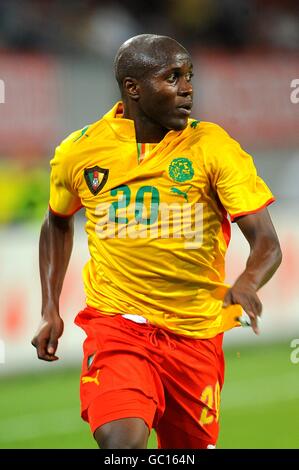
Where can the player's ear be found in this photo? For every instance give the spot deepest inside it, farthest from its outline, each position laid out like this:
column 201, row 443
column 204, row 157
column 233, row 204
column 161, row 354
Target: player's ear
column 131, row 88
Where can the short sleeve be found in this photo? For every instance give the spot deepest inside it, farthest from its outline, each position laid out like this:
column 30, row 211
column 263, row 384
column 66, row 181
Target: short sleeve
column 64, row 200
column 239, row 188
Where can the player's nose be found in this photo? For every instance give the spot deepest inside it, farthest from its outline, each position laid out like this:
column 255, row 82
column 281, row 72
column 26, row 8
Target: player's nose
column 185, row 88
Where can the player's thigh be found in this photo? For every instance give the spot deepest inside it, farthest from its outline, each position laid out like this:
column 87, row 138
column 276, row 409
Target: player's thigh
column 126, row 433
column 187, row 426
column 119, row 381
column 192, row 396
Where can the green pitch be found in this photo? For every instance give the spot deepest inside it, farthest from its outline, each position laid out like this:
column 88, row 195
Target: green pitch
column 260, row 404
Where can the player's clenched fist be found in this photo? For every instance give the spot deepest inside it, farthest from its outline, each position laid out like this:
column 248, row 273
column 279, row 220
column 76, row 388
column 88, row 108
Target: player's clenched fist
column 46, row 338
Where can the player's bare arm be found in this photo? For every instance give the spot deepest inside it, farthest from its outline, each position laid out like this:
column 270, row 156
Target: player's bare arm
column 55, row 247
column 264, row 259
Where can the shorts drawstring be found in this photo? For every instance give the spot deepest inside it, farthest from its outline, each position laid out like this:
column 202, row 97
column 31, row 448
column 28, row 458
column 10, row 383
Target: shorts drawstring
column 153, row 337
column 151, row 332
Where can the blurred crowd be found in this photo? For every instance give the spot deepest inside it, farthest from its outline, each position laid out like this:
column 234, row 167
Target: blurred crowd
column 98, row 27
column 89, row 32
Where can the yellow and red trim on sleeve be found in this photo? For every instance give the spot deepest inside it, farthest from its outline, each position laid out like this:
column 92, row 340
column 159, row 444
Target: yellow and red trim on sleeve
column 254, row 211
column 64, row 215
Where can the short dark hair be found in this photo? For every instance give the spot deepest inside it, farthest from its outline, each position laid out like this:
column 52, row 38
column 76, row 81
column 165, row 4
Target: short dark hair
column 140, row 54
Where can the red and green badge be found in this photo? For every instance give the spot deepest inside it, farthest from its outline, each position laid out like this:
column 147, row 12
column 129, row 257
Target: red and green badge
column 96, row 178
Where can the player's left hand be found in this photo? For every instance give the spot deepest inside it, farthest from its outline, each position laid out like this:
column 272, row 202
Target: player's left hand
column 243, row 294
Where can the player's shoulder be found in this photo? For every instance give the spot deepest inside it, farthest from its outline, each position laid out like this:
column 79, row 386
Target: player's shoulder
column 80, row 137
column 208, row 130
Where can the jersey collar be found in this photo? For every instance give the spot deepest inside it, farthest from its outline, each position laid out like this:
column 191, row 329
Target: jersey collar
column 125, row 128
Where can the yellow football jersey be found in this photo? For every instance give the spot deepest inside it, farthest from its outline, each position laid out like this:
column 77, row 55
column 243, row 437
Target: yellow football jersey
column 157, row 227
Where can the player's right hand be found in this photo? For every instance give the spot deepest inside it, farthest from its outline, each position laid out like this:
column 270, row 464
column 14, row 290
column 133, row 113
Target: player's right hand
column 46, row 338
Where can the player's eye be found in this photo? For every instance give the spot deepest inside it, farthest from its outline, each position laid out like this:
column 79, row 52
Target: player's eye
column 189, row 76
column 172, row 78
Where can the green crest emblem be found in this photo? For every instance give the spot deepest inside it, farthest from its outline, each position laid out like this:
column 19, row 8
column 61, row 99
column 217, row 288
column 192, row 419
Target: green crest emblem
column 181, row 170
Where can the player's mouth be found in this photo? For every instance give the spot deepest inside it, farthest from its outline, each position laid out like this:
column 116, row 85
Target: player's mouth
column 185, row 109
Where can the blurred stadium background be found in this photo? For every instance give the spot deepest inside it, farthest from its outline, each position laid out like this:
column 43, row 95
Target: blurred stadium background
column 56, row 76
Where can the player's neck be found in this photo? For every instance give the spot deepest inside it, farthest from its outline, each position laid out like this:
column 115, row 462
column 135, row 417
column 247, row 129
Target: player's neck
column 146, row 130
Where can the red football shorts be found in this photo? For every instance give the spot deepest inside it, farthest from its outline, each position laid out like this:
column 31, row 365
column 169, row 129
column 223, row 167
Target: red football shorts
column 137, row 370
